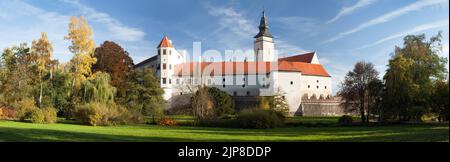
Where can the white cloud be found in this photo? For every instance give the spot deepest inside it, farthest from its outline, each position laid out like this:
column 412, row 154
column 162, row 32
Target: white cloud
column 17, row 26
column 117, row 29
column 350, row 9
column 231, row 19
column 417, row 29
column 390, row 16
column 286, row 49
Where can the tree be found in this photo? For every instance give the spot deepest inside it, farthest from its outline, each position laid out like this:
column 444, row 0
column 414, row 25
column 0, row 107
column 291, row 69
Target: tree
column 113, row 59
column 375, row 98
column 279, row 103
column 97, row 89
column 16, row 75
column 223, row 103
column 410, row 76
column 355, row 89
column 144, row 94
column 41, row 51
column 203, row 104
column 439, row 100
column 83, row 49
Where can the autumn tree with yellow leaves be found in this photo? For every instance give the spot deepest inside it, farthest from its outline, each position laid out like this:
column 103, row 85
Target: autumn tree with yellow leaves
column 41, row 52
column 83, row 48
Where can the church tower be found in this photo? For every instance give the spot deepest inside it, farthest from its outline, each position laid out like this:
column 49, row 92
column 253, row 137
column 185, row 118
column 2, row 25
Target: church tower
column 264, row 45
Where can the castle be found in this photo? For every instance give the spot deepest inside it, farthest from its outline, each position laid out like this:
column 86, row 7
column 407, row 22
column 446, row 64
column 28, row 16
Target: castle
column 296, row 78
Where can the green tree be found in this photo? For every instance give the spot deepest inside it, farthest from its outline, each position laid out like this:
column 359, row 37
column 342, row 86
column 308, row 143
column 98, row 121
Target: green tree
column 97, row 89
column 16, row 80
column 145, row 93
column 375, row 98
column 410, row 76
column 439, row 100
column 223, row 103
column 355, row 89
column 113, row 59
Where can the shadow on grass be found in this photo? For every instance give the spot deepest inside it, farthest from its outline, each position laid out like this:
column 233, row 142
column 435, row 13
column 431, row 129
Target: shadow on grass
column 400, row 133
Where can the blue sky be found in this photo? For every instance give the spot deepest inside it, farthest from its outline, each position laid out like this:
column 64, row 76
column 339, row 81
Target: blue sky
column 341, row 31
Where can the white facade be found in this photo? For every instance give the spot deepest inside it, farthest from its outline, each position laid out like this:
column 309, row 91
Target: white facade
column 294, row 81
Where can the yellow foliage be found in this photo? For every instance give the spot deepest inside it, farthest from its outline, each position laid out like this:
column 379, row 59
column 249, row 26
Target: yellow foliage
column 83, row 49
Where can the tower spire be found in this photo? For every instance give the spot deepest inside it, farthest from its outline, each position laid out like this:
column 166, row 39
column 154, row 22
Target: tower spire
column 264, row 26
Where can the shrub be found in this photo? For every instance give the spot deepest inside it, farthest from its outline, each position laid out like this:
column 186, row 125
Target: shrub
column 24, row 108
column 37, row 116
column 167, row 122
column 50, row 115
column 260, row 119
column 103, row 114
column 345, row 120
column 7, row 113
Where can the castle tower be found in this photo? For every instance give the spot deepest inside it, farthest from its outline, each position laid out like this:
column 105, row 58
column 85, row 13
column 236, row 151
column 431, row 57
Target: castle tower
column 168, row 58
column 264, row 45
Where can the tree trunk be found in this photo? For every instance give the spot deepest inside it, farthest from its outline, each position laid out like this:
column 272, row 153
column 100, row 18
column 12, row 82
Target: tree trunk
column 40, row 91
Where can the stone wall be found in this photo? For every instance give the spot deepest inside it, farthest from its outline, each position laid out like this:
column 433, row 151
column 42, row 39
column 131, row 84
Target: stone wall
column 322, row 107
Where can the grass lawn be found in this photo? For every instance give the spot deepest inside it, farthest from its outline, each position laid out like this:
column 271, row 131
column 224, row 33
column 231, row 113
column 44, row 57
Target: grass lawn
column 19, row 131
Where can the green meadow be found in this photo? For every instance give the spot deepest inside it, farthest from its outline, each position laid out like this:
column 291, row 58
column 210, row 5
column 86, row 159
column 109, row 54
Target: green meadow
column 318, row 130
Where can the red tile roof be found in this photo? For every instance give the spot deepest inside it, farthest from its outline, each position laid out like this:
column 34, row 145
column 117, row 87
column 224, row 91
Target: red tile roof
column 307, row 58
column 165, row 42
column 310, row 69
column 248, row 68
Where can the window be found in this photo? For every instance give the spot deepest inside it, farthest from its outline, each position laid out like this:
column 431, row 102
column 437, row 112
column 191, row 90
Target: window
column 181, row 93
column 164, row 80
column 325, row 87
column 159, row 52
column 292, row 83
column 223, row 79
column 317, row 81
column 170, row 67
column 248, row 93
column 309, row 86
column 170, row 81
column 223, row 86
column 164, row 66
column 243, row 86
column 164, row 52
column 317, row 87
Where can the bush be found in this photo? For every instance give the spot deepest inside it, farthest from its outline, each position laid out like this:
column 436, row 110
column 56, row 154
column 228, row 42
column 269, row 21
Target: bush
column 50, row 115
column 37, row 116
column 345, row 120
column 167, row 122
column 103, row 114
column 7, row 113
column 24, row 108
column 260, row 119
